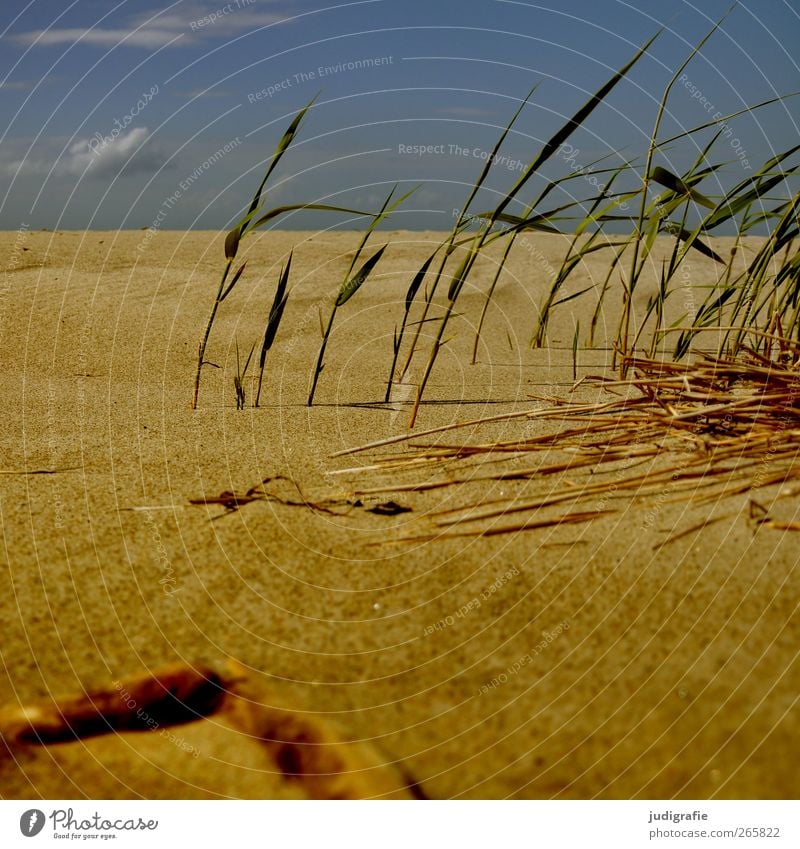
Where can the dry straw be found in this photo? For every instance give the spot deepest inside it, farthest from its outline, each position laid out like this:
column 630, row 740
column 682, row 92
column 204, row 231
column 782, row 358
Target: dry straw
column 681, row 432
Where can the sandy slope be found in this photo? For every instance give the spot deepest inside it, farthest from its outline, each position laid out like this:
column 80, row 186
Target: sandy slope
column 600, row 663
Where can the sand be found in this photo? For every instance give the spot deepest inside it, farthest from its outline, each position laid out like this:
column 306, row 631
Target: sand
column 572, row 662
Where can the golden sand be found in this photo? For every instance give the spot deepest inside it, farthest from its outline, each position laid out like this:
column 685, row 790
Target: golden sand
column 585, row 660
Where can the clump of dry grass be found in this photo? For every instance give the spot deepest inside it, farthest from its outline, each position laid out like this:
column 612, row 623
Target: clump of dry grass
column 704, row 431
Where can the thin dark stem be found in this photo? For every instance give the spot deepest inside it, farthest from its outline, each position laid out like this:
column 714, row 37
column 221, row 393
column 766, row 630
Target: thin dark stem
column 431, row 360
column 321, row 357
column 201, row 351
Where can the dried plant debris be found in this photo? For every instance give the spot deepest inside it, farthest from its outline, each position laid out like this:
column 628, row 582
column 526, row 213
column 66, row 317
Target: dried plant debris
column 309, row 752
column 388, row 508
column 283, row 490
column 39, row 471
column 276, row 489
column 681, row 432
column 171, row 696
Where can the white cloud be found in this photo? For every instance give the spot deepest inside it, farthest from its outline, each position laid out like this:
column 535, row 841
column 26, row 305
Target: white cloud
column 18, row 85
column 97, row 157
column 106, row 156
column 192, row 22
column 104, row 37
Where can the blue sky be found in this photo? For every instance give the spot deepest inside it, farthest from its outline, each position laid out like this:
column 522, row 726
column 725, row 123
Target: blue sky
column 123, row 114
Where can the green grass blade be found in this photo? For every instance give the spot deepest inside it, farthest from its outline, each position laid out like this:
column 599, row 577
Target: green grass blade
column 636, row 267
column 673, row 183
column 419, row 277
column 726, row 118
column 357, row 280
column 276, row 310
column 492, row 156
column 233, row 282
column 411, row 294
column 685, row 236
column 729, row 209
column 533, row 222
column 283, row 146
column 557, row 140
column 461, row 223
column 567, row 298
column 295, row 207
column 575, row 339
column 382, row 214
column 236, row 233
column 279, row 302
column 461, row 275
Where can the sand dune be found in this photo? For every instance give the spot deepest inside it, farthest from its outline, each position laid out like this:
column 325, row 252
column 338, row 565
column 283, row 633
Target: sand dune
column 574, row 661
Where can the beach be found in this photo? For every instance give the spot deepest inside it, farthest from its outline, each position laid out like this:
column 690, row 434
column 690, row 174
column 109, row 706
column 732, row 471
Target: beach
column 612, row 658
